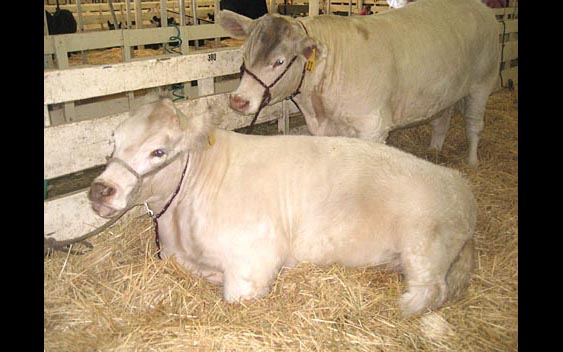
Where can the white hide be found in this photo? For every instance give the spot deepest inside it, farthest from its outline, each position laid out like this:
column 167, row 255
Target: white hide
column 250, row 205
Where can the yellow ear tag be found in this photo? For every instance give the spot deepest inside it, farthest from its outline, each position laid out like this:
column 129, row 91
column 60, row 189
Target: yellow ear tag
column 310, row 66
column 211, row 139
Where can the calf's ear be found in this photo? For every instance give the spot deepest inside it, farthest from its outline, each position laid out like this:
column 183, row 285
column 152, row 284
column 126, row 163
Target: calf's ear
column 238, row 26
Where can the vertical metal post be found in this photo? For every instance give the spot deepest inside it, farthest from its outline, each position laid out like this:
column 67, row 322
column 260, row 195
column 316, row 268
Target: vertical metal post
column 163, row 14
column 138, row 17
column 216, row 9
column 163, row 20
column 80, row 26
column 185, row 47
column 127, row 14
column 182, row 11
column 194, row 14
column 313, row 7
column 183, row 30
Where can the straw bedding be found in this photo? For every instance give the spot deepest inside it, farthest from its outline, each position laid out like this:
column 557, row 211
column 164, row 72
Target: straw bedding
column 119, row 297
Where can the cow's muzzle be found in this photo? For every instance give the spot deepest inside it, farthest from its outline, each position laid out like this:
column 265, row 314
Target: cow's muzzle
column 101, row 192
column 238, row 103
column 267, row 96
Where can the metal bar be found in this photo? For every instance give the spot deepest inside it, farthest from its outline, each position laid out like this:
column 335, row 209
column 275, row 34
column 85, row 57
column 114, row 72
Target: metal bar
column 314, row 8
column 163, row 14
column 216, row 9
column 127, row 14
column 138, row 17
column 81, row 26
column 46, row 117
column 182, row 12
column 194, row 14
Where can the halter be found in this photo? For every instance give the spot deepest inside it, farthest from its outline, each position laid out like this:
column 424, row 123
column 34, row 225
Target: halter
column 135, row 192
column 52, row 244
column 266, row 97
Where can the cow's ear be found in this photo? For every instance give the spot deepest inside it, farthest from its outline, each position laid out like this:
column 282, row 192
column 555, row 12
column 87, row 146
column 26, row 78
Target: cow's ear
column 308, row 45
column 198, row 126
column 238, row 26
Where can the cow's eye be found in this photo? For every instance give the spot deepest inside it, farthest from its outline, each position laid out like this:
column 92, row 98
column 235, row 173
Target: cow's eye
column 159, row 153
column 278, row 62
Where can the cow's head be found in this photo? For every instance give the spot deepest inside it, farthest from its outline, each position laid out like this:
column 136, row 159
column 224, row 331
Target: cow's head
column 273, row 43
column 150, row 152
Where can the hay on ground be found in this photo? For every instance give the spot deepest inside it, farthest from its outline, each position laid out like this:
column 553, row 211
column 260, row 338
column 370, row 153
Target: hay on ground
column 120, row 297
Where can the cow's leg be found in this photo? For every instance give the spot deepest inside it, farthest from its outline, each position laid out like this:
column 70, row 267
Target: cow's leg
column 243, row 282
column 249, row 273
column 440, row 125
column 475, row 104
column 425, row 261
column 375, row 127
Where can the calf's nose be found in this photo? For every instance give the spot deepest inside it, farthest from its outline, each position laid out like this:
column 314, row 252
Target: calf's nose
column 238, row 103
column 100, row 190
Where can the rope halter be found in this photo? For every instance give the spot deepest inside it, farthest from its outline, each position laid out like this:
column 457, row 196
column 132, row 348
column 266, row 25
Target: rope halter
column 267, row 96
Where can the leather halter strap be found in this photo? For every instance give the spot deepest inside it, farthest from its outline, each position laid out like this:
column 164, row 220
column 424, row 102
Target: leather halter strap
column 266, row 97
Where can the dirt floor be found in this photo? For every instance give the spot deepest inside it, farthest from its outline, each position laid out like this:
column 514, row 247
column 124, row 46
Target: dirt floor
column 120, row 297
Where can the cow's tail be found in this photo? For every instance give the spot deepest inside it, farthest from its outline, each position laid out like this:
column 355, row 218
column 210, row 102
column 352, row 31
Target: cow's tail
column 459, row 274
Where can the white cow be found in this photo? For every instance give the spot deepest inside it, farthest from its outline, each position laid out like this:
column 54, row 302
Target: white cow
column 373, row 74
column 237, row 208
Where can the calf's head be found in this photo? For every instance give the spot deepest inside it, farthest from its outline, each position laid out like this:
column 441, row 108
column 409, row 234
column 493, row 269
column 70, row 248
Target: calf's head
column 274, row 54
column 150, row 150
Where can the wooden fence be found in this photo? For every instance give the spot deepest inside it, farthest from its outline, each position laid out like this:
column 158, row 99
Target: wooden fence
column 72, row 146
column 508, row 37
column 94, row 17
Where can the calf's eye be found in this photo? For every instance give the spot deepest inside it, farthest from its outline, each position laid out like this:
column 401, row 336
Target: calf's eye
column 279, row 62
column 159, row 153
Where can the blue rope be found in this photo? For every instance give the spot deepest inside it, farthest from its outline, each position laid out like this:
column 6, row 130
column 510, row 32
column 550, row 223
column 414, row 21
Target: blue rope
column 175, row 49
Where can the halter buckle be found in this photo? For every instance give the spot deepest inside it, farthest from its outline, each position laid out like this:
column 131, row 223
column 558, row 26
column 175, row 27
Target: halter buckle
column 148, row 210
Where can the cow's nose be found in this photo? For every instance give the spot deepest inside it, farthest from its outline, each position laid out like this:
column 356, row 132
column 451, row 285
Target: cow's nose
column 100, row 190
column 238, row 103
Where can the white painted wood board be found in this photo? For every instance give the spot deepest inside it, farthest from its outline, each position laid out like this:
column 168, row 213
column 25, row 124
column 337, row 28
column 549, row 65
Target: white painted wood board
column 72, row 216
column 100, row 80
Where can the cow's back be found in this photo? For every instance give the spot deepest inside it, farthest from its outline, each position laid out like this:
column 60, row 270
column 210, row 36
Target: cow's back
column 306, row 186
